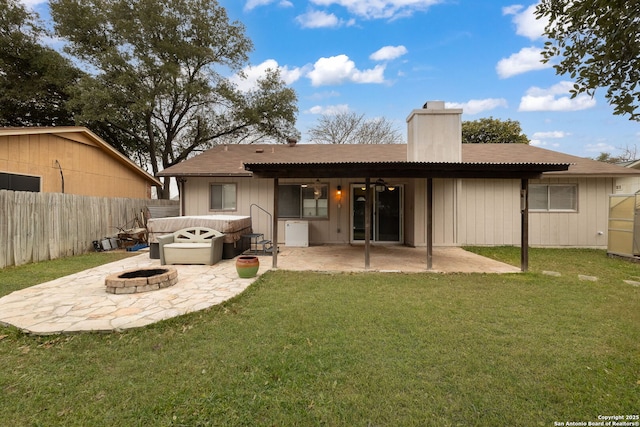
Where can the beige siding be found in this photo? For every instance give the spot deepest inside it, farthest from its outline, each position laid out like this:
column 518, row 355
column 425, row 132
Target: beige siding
column 444, row 206
column 86, row 168
column 489, row 214
column 466, row 212
column 627, row 185
column 335, row 229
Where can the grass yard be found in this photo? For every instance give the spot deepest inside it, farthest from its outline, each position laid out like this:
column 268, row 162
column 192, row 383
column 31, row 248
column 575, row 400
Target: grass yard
column 355, row 350
column 15, row 278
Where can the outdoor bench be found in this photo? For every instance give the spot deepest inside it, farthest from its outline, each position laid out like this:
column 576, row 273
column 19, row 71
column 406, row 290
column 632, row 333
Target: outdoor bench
column 192, row 245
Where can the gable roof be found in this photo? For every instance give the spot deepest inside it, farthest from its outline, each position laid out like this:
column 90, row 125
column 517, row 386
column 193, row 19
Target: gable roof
column 634, row 164
column 82, row 135
column 230, row 160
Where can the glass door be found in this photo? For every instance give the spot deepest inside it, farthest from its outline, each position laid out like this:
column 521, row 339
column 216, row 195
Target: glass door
column 386, row 215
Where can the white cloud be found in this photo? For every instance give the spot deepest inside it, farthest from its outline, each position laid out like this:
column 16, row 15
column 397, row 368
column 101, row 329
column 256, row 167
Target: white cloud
column 30, row 4
column 476, row 106
column 512, row 10
column 380, row 9
column 540, row 139
column 339, row 69
column 600, row 147
column 319, row 19
column 252, row 4
column 525, row 20
column 528, row 59
column 555, row 98
column 388, row 53
column 253, row 73
column 550, row 135
column 330, row 110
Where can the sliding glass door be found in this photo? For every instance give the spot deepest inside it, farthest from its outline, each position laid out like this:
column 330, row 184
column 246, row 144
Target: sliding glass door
column 386, row 215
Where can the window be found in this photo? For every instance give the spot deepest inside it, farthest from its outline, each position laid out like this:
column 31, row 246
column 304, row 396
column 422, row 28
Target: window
column 222, row 197
column 303, row 201
column 556, row 197
column 10, row 181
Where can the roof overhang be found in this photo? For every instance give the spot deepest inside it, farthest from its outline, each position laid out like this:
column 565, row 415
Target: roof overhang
column 404, row 170
column 204, row 174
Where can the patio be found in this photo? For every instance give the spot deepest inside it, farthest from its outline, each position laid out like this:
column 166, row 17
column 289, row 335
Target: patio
column 387, row 258
column 80, row 303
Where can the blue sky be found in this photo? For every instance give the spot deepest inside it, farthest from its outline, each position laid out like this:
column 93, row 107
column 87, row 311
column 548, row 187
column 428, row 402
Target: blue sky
column 384, row 58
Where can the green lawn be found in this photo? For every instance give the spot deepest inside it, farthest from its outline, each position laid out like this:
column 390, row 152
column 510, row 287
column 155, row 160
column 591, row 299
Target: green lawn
column 355, row 350
column 15, row 278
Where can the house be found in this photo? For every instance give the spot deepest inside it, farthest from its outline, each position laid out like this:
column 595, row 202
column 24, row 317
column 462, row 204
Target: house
column 70, row 160
column 629, row 185
column 434, row 190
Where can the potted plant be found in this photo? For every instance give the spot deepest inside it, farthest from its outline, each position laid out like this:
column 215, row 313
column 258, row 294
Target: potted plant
column 247, row 266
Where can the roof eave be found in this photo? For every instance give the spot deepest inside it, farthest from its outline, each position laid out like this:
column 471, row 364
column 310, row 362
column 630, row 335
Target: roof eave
column 403, row 170
column 204, row 174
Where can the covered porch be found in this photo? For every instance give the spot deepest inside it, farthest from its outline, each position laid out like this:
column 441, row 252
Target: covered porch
column 386, row 258
column 417, row 170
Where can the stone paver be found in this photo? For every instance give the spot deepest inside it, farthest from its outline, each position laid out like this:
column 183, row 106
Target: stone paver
column 551, row 273
column 80, row 302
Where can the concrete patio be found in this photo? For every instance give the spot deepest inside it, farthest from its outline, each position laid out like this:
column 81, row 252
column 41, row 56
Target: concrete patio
column 388, row 258
column 79, row 302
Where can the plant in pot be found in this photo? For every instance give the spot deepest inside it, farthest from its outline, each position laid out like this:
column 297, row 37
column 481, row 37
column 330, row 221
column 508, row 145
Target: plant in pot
column 247, row 266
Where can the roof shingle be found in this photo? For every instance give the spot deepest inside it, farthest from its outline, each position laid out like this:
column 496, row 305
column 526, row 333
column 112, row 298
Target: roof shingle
column 229, row 160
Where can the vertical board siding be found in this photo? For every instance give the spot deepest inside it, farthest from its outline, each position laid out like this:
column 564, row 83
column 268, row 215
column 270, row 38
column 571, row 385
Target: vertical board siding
column 87, row 169
column 321, row 231
column 42, row 226
column 444, row 208
column 489, row 214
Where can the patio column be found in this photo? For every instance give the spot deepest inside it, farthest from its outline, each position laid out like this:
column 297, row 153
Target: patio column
column 429, row 223
column 524, row 227
column 367, row 222
column 274, row 238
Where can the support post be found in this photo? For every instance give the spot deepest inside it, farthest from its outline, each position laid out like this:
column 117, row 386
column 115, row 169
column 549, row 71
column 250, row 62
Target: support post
column 429, row 223
column 524, row 227
column 182, row 181
column 274, row 238
column 367, row 223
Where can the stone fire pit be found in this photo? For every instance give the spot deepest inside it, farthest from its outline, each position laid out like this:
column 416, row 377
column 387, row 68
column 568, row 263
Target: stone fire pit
column 141, row 280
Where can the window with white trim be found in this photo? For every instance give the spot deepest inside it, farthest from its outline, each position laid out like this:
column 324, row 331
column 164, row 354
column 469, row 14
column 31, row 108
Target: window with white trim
column 553, row 197
column 222, row 197
column 303, row 200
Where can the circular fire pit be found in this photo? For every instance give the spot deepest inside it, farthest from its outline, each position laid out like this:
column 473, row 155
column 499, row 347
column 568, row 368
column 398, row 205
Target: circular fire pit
column 141, row 280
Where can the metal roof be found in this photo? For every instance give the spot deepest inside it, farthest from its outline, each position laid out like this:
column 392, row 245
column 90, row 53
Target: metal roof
column 403, row 169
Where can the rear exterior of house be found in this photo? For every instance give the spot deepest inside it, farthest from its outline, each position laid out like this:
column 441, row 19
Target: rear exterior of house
column 466, row 211
column 70, row 160
column 567, row 208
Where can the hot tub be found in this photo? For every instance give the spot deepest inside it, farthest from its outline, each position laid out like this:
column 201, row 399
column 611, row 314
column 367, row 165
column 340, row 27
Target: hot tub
column 233, row 227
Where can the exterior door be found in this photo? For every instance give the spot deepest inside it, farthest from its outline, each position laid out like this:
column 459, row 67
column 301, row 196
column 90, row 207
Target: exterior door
column 386, row 215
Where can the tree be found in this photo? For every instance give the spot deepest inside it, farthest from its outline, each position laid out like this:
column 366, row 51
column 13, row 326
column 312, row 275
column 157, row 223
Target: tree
column 490, row 130
column 157, row 79
column 629, row 153
column 34, row 79
column 352, row 128
column 598, row 42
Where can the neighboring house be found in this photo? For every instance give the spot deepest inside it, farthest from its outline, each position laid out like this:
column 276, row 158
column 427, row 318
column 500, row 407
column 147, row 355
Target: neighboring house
column 70, row 160
column 629, row 185
column 475, row 189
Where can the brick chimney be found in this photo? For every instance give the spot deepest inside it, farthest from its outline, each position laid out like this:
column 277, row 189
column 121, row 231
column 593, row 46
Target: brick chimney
column 434, row 134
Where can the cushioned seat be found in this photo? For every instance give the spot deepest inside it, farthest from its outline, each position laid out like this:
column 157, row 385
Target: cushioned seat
column 193, row 245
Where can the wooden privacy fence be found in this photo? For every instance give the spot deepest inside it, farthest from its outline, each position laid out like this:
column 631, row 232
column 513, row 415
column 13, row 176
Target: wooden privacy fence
column 41, row 226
